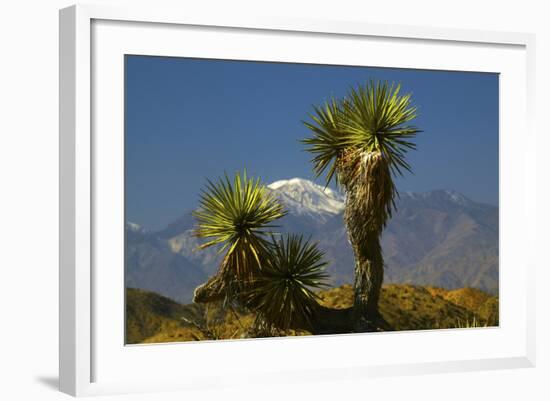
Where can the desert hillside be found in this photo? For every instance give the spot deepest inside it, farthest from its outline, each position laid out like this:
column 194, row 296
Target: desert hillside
column 152, row 318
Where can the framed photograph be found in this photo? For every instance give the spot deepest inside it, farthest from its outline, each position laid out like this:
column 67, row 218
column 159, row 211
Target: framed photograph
column 271, row 199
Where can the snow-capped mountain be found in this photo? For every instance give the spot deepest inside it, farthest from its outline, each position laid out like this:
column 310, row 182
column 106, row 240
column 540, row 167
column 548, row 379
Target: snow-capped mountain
column 303, row 197
column 438, row 238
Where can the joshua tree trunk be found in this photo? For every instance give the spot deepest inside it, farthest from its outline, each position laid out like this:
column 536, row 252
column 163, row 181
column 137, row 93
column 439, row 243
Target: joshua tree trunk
column 368, row 206
column 369, row 274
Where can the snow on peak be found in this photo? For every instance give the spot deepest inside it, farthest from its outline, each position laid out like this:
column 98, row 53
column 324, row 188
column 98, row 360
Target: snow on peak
column 302, row 196
column 457, row 197
column 438, row 195
column 134, row 227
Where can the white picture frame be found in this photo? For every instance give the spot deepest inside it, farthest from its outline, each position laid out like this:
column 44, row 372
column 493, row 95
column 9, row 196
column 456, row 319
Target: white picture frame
column 90, row 360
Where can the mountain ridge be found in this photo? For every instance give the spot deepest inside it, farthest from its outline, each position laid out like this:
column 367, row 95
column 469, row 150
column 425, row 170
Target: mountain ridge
column 440, row 238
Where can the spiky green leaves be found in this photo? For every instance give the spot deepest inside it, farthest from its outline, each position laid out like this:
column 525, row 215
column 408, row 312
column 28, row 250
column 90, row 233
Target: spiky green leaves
column 283, row 292
column 237, row 215
column 329, row 140
column 273, row 277
column 371, row 118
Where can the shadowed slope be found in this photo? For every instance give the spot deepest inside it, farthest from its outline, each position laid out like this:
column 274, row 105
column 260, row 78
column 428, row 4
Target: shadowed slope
column 152, row 318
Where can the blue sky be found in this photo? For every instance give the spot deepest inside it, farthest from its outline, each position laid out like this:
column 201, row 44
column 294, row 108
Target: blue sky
column 191, row 119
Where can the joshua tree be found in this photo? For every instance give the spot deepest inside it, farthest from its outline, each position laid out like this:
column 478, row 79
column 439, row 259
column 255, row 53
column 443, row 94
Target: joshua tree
column 272, row 277
column 361, row 142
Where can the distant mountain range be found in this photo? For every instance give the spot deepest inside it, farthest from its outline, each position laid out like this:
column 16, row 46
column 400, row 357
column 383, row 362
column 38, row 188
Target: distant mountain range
column 438, row 238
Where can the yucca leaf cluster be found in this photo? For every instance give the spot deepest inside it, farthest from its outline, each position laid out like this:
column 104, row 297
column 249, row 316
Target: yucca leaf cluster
column 283, row 291
column 237, row 216
column 372, row 119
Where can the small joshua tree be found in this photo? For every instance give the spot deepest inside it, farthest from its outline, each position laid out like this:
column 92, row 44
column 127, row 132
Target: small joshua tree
column 272, row 277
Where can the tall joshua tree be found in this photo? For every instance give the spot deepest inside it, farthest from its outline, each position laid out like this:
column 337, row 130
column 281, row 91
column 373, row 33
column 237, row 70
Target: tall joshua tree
column 360, row 141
